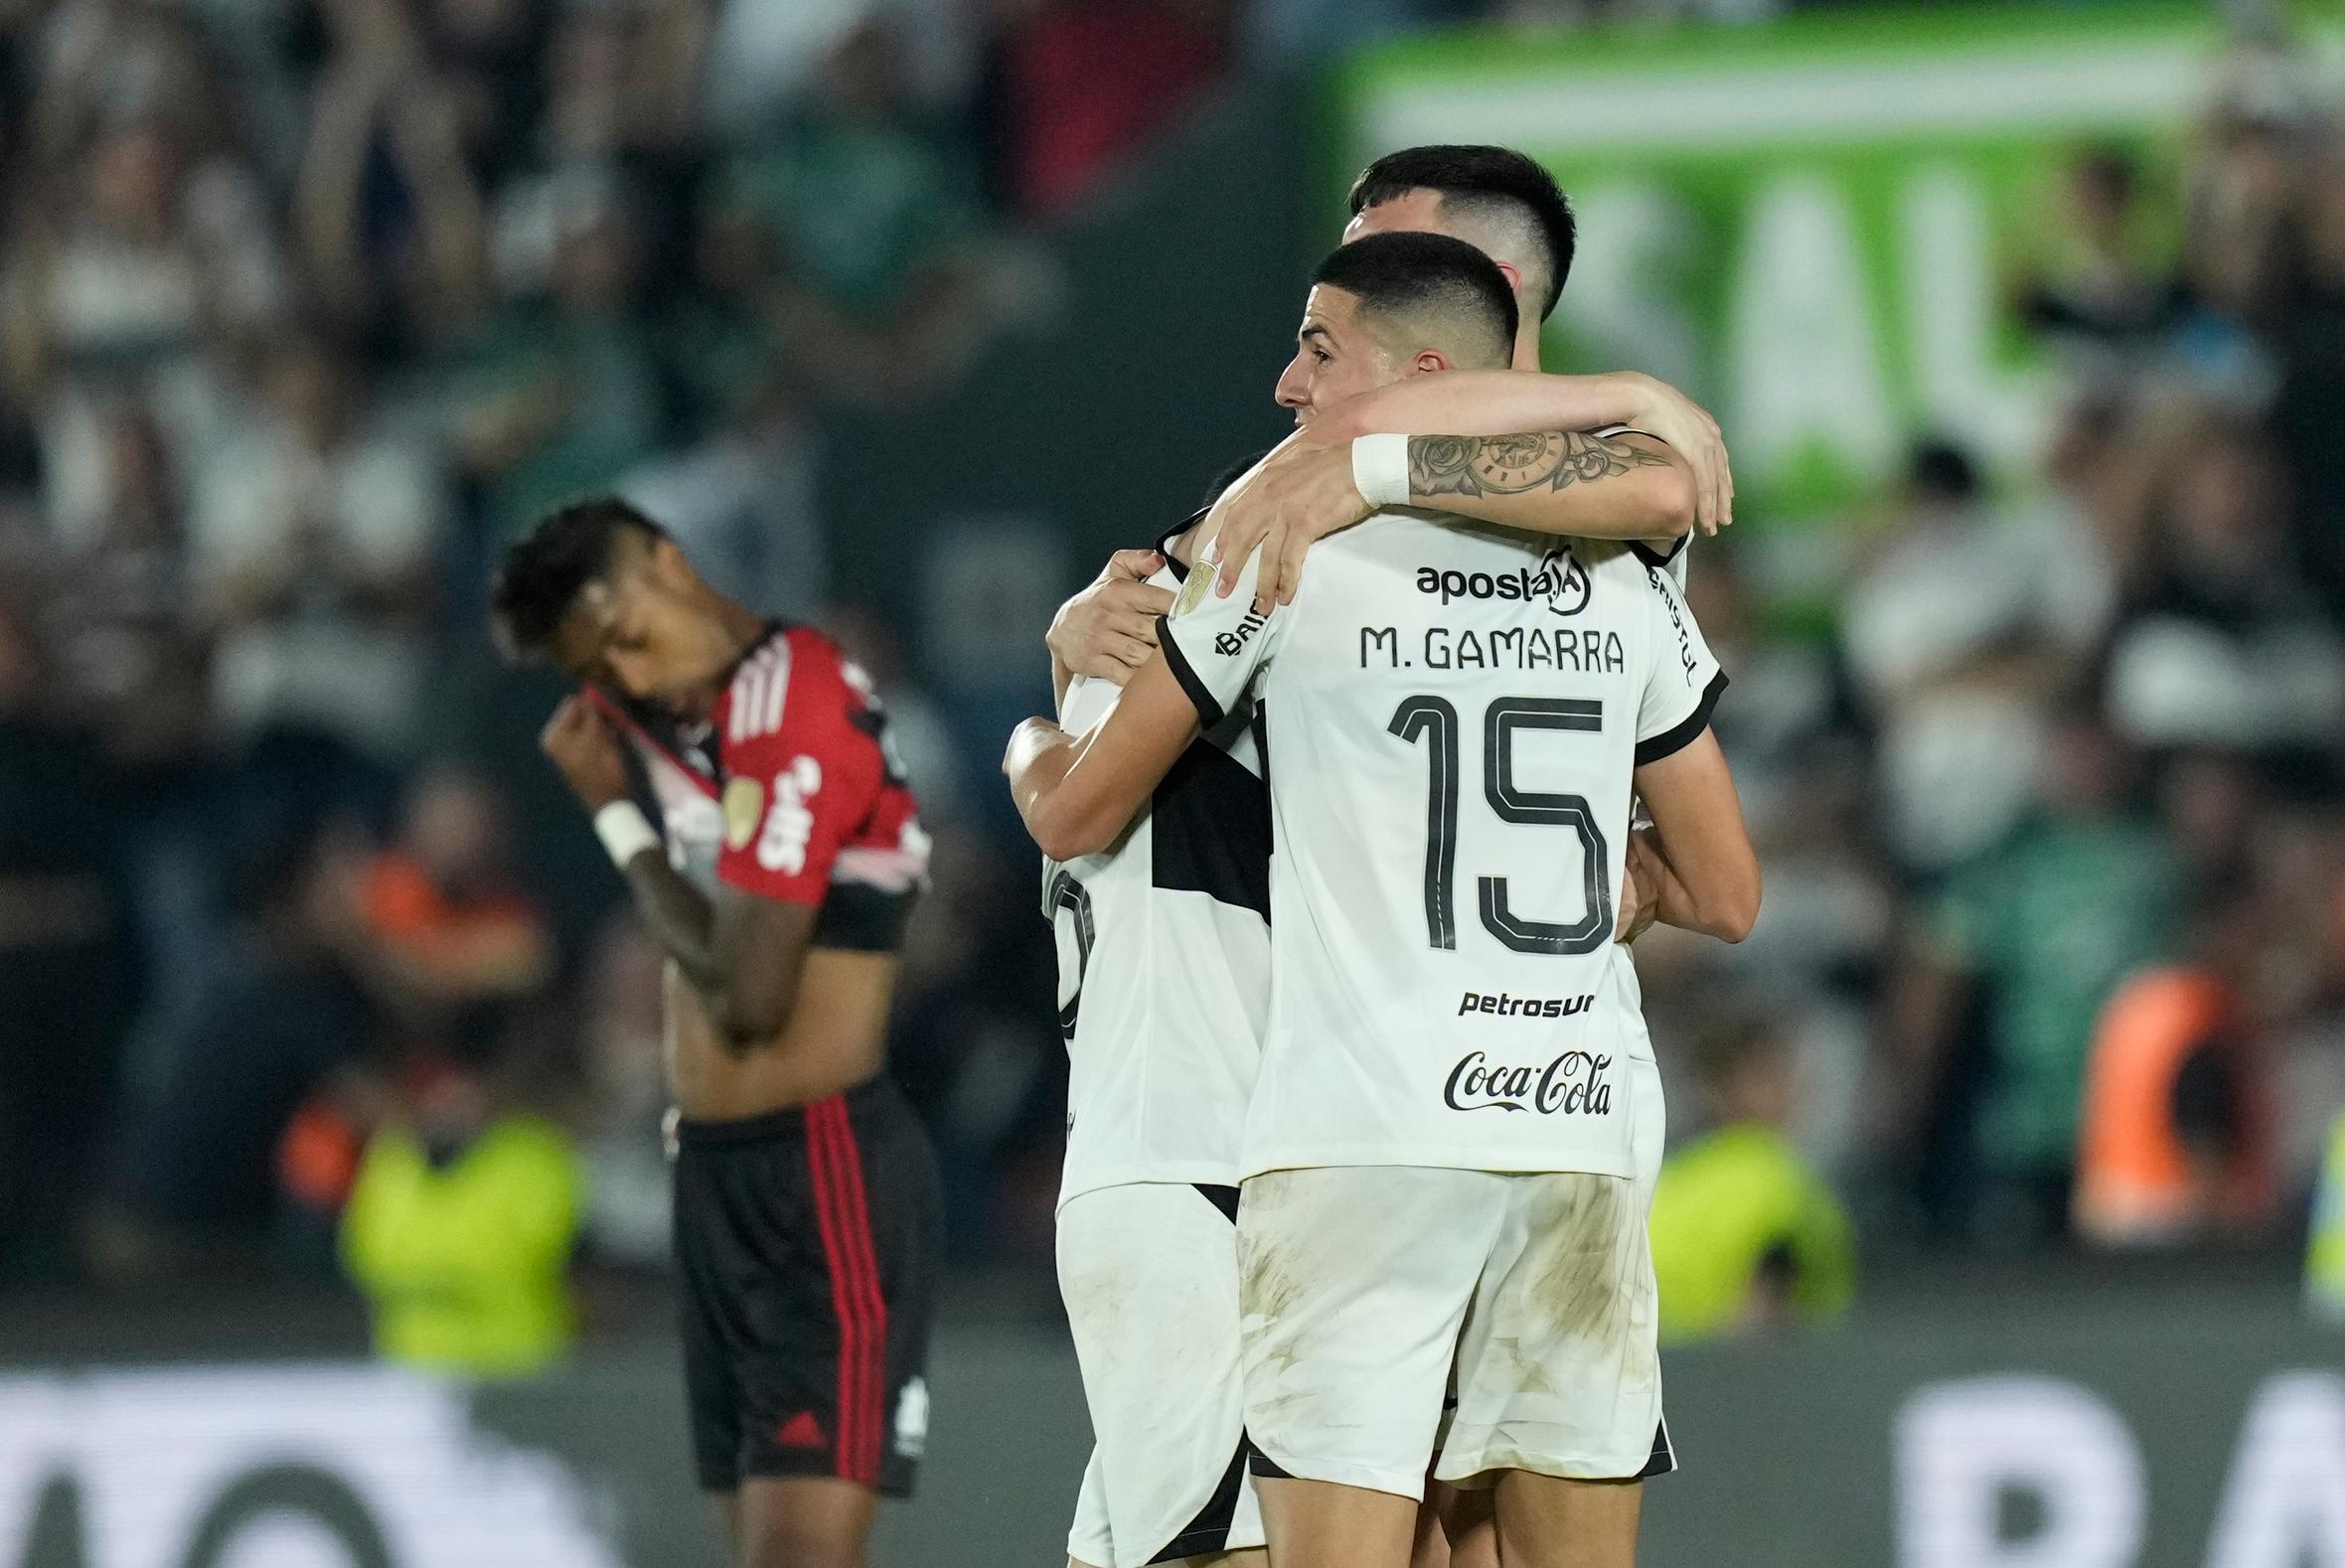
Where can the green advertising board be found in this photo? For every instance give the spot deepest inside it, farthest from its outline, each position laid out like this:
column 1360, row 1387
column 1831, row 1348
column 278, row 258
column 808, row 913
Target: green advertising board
column 1813, row 226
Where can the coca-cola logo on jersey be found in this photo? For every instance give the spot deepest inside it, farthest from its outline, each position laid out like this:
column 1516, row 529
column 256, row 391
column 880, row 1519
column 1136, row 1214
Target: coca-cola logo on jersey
column 1575, row 1083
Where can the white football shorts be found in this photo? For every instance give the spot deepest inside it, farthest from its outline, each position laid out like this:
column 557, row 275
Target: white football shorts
column 1150, row 1276
column 1370, row 1291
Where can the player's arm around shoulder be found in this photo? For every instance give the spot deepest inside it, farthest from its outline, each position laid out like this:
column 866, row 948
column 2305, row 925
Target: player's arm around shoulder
column 1584, row 484
column 1077, row 794
column 1706, row 871
column 1607, row 484
column 1496, row 402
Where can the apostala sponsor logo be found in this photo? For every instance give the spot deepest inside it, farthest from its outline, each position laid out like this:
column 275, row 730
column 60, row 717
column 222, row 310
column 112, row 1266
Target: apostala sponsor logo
column 1573, row 1085
column 1560, row 581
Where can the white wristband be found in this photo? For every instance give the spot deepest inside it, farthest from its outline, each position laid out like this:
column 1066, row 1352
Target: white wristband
column 625, row 831
column 1380, row 469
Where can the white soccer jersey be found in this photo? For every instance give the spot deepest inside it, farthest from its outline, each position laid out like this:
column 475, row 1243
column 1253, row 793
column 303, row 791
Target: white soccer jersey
column 1164, row 964
column 1454, row 715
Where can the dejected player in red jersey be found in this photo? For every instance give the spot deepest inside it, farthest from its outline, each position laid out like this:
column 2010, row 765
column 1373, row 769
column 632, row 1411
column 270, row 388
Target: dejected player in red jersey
column 789, row 853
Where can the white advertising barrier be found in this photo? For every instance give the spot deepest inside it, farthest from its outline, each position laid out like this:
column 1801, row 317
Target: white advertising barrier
column 277, row 1468
column 1968, row 1450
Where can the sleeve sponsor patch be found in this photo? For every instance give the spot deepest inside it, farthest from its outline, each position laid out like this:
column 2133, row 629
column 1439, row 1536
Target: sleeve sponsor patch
column 744, row 804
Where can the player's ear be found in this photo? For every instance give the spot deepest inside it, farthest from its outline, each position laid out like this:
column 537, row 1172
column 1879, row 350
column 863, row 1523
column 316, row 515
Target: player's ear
column 1513, row 275
column 1429, row 361
column 670, row 566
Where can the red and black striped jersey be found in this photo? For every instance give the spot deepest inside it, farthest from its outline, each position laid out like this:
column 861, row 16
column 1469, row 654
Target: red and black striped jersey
column 792, row 791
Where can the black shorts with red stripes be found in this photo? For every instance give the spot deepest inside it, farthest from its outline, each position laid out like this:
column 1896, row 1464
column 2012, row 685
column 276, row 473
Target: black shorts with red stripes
column 808, row 1241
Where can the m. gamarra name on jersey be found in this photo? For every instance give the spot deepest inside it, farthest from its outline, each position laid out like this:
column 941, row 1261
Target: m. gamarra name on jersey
column 1577, row 650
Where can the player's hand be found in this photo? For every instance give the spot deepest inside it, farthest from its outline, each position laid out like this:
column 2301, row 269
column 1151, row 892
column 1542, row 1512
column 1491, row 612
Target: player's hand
column 1109, row 630
column 1294, row 498
column 1640, row 887
column 1667, row 413
column 586, row 751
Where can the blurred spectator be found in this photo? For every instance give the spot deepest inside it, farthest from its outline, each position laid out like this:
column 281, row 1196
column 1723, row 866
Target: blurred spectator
column 2310, row 349
column 460, row 1228
column 489, row 56
column 314, row 532
column 742, row 503
column 1745, row 1239
column 111, row 61
column 2219, row 643
column 628, row 1191
column 886, row 284
column 280, row 1012
column 454, row 940
column 61, row 979
column 2105, row 288
column 2238, row 196
column 974, row 1041
column 389, row 212
column 2175, row 1144
column 562, row 395
column 1953, row 626
column 725, row 349
column 131, row 661
column 135, row 269
column 918, row 733
column 128, row 650
column 618, row 81
column 1814, row 959
column 2029, row 941
column 1084, row 81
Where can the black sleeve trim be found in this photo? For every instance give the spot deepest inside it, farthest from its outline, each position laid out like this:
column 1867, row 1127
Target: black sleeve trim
column 1163, row 543
column 1657, row 559
column 1209, row 712
column 859, row 918
column 1678, row 737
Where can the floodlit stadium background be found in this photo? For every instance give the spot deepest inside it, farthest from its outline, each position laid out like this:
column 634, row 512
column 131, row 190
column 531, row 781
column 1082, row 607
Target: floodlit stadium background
column 2026, row 326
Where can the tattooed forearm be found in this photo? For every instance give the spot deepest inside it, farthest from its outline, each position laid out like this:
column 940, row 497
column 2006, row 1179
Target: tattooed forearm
column 1512, row 465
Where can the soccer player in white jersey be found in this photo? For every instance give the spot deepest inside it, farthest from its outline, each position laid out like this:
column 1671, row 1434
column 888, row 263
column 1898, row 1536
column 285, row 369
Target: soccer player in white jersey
column 1505, row 205
column 1456, row 1125
column 1164, row 951
column 1164, row 962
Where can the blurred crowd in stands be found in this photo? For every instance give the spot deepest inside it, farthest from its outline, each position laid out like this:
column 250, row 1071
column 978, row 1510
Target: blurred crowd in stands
column 307, row 305
column 2054, row 825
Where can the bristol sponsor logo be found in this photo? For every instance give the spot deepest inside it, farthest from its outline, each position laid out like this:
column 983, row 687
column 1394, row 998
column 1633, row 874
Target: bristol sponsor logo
column 1560, row 581
column 1229, row 643
column 1573, row 1085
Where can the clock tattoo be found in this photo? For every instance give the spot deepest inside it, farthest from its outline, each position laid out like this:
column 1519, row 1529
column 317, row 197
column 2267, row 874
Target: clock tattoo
column 1511, row 465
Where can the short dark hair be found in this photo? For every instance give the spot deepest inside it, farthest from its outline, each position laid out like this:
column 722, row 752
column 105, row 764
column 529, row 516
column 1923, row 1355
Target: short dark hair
column 542, row 573
column 1228, row 477
column 1497, row 180
column 1424, row 272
